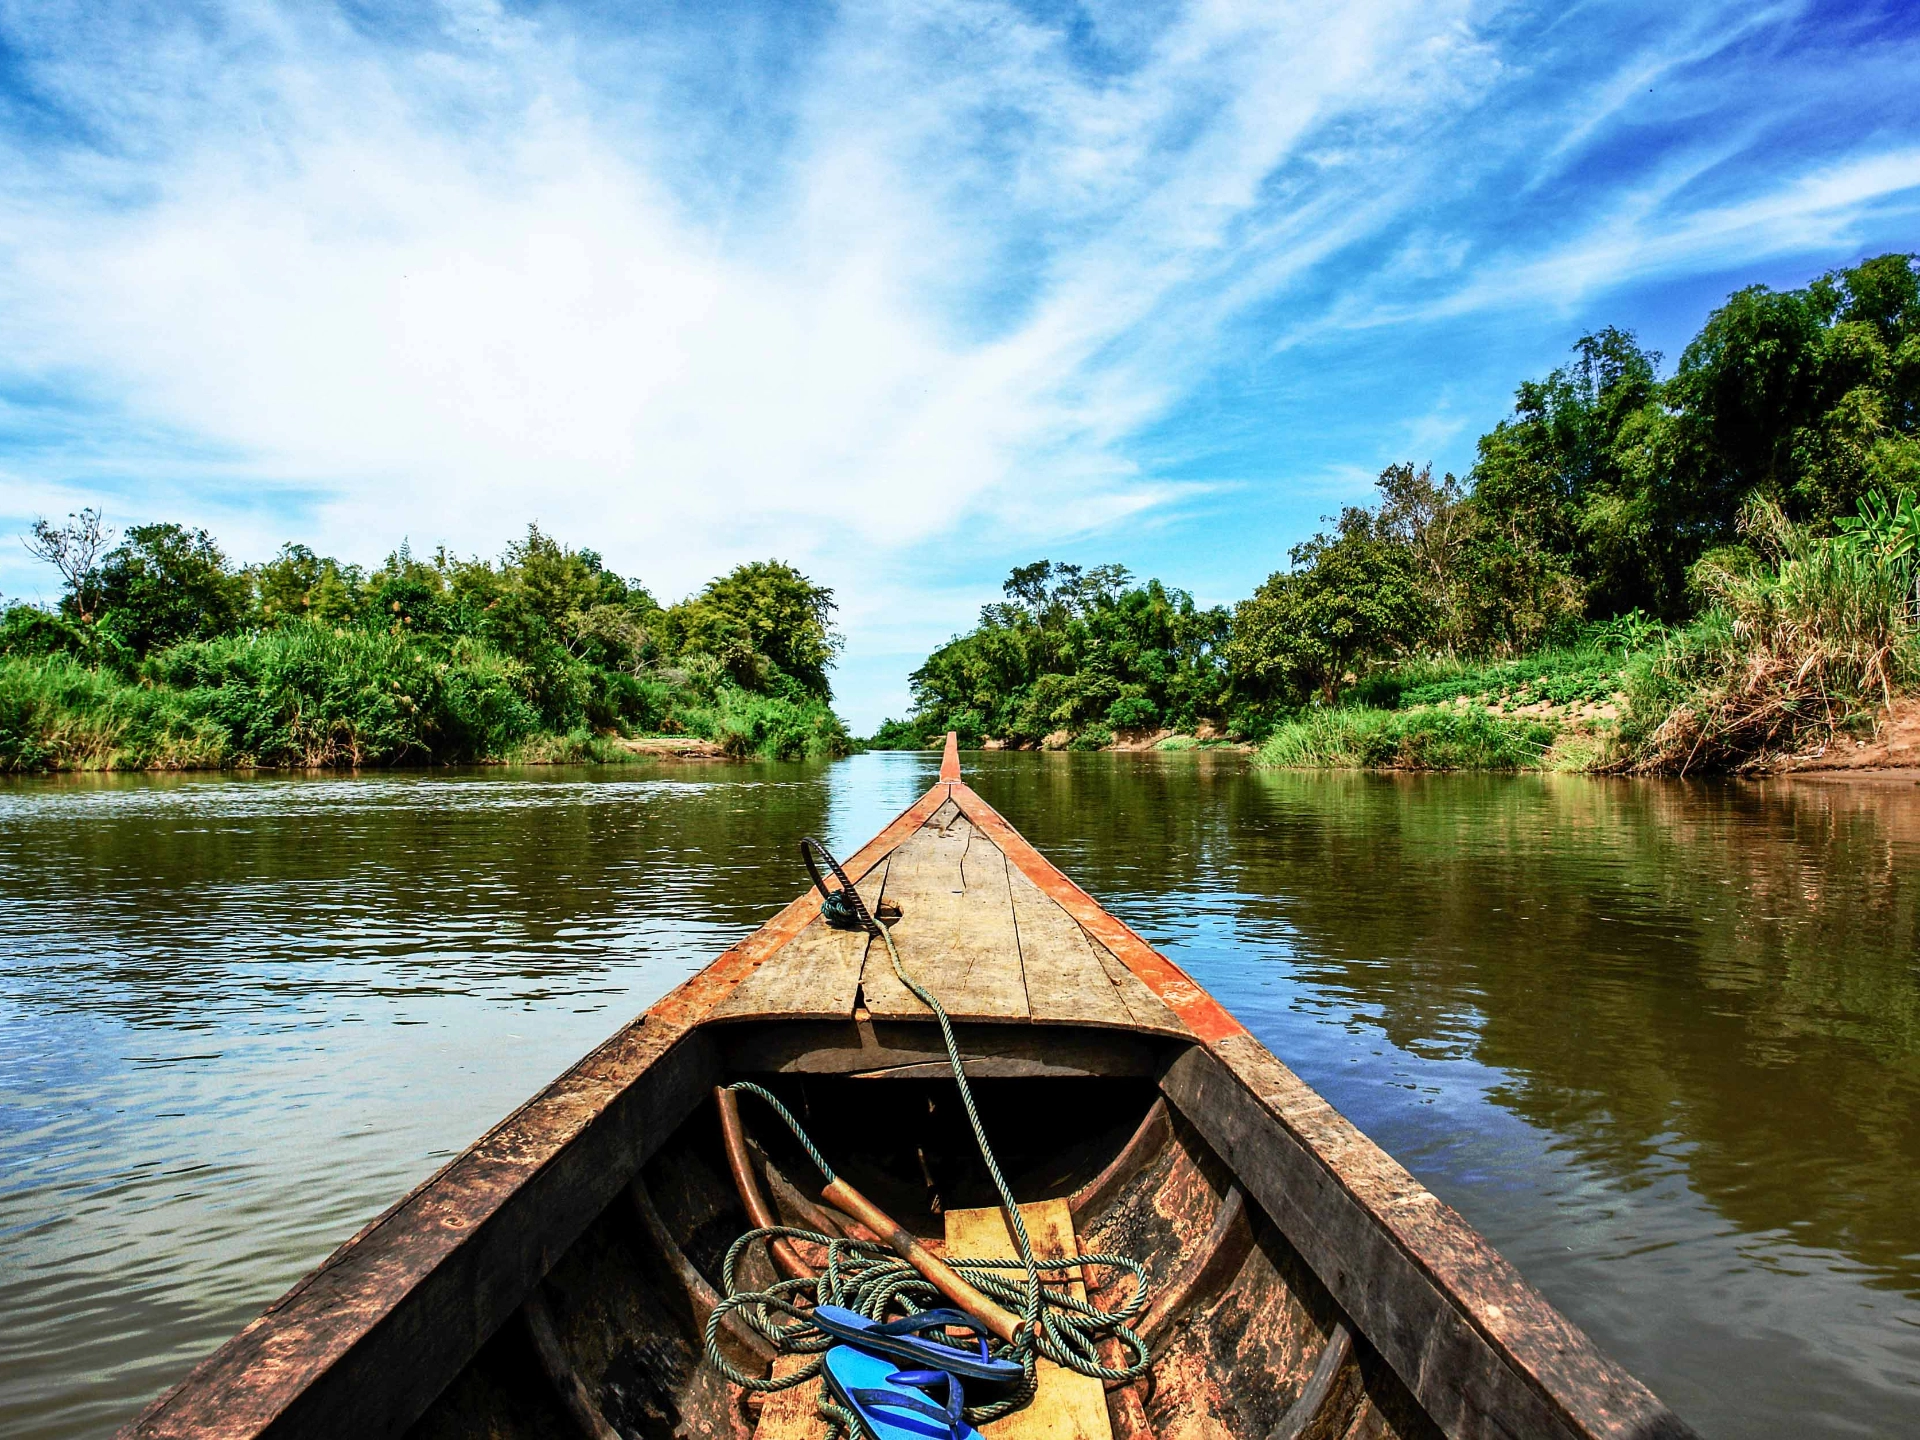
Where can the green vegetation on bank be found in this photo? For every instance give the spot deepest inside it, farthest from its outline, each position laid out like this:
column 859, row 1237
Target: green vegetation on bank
column 1708, row 569
column 1074, row 653
column 162, row 653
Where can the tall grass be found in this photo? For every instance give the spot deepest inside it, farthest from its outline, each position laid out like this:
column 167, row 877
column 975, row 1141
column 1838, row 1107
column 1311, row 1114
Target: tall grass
column 770, row 726
column 56, row 714
column 310, row 696
column 1433, row 739
column 1783, row 658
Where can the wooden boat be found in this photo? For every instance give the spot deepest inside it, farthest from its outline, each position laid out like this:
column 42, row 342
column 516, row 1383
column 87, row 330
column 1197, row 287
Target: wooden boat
column 554, row 1280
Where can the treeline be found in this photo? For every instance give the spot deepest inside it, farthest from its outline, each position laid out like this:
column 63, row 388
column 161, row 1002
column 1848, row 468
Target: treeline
column 163, row 652
column 1608, row 495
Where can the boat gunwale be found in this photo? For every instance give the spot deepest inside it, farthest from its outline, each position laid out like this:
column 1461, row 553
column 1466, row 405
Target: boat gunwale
column 264, row 1374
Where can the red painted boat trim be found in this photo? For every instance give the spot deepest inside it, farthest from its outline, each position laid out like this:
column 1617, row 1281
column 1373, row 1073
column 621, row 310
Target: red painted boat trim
column 690, row 1003
column 950, row 758
column 1202, row 1014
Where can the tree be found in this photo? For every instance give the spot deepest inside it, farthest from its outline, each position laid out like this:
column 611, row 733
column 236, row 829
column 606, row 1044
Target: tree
column 298, row 584
column 763, row 612
column 1074, row 648
column 74, row 550
column 1352, row 596
column 163, row 584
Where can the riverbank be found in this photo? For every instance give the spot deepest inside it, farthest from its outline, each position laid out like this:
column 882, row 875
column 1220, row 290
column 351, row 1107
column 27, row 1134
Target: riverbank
column 1583, row 737
column 315, row 699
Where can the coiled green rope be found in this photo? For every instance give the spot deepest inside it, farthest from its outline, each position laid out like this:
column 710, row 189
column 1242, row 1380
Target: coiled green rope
column 871, row 1279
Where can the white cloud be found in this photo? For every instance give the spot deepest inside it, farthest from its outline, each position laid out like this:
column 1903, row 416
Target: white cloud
column 830, row 295
column 454, row 330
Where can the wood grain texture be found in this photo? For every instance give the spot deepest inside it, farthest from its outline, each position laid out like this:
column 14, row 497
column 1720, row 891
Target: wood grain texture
column 794, row 1413
column 811, row 977
column 1482, row 1350
column 363, row 1344
column 1066, row 1405
column 849, row 1047
column 1065, row 980
column 956, row 933
column 695, row 998
column 1199, row 1013
column 568, row 1387
column 1148, row 1010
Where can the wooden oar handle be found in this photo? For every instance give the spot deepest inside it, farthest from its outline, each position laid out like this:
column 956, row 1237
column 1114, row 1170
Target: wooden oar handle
column 942, row 1276
column 758, row 1211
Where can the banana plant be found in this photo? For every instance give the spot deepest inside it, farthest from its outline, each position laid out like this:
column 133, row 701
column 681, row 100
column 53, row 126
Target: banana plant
column 1888, row 528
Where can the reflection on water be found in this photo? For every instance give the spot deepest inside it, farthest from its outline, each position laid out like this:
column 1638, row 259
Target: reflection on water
column 1660, row 1041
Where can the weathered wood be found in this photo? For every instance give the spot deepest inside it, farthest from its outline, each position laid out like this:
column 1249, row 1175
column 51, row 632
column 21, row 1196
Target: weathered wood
column 1218, row 1258
column 812, row 976
column 749, row 1345
column 1066, row 1404
column 1479, row 1348
column 955, row 935
column 1148, row 1010
column 695, row 998
column 1324, row 1407
column 1065, row 980
column 1199, row 1012
column 988, row 1051
column 568, row 1387
column 793, row 1413
column 1154, row 1134
column 363, row 1344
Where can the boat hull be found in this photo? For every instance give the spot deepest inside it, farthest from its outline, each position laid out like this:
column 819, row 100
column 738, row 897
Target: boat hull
column 551, row 1279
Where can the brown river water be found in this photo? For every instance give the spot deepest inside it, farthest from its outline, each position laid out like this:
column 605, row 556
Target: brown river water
column 1659, row 1041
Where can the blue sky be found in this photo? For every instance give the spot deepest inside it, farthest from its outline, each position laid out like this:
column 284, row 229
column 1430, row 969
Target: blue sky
column 904, row 294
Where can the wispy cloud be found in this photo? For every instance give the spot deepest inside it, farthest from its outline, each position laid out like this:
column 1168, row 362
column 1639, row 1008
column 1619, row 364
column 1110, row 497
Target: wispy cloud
column 858, row 286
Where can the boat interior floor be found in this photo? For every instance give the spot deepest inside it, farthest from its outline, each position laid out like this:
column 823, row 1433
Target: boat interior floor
column 1247, row 1342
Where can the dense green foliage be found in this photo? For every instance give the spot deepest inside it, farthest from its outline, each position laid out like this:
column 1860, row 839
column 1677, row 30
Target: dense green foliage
column 1787, row 652
column 1085, row 652
column 1610, row 513
column 1433, row 739
column 163, row 653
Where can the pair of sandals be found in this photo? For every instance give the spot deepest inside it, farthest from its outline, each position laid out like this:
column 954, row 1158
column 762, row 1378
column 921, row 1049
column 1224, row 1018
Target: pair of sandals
column 893, row 1403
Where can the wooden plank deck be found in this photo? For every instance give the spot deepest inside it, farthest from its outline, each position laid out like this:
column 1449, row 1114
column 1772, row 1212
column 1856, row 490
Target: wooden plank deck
column 974, row 930
column 1065, row 979
column 1066, row 1405
column 956, row 931
column 813, row 976
column 794, row 1413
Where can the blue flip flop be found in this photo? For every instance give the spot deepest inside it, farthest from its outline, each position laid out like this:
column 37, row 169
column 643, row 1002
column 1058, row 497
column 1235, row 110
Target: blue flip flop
column 904, row 1340
column 894, row 1404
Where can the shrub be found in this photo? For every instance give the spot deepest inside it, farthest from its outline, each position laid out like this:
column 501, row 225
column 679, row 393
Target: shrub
column 900, row 735
column 1431, row 739
column 58, row 714
column 772, row 727
column 1094, row 737
column 1783, row 660
column 1132, row 712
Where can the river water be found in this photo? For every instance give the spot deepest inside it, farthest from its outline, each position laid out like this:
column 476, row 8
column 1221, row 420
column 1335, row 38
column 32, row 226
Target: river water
column 1659, row 1041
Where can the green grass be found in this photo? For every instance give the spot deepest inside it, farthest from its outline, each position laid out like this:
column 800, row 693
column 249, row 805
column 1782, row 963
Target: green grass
column 311, row 696
column 1435, row 739
column 1784, row 658
column 1587, row 674
column 769, row 726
